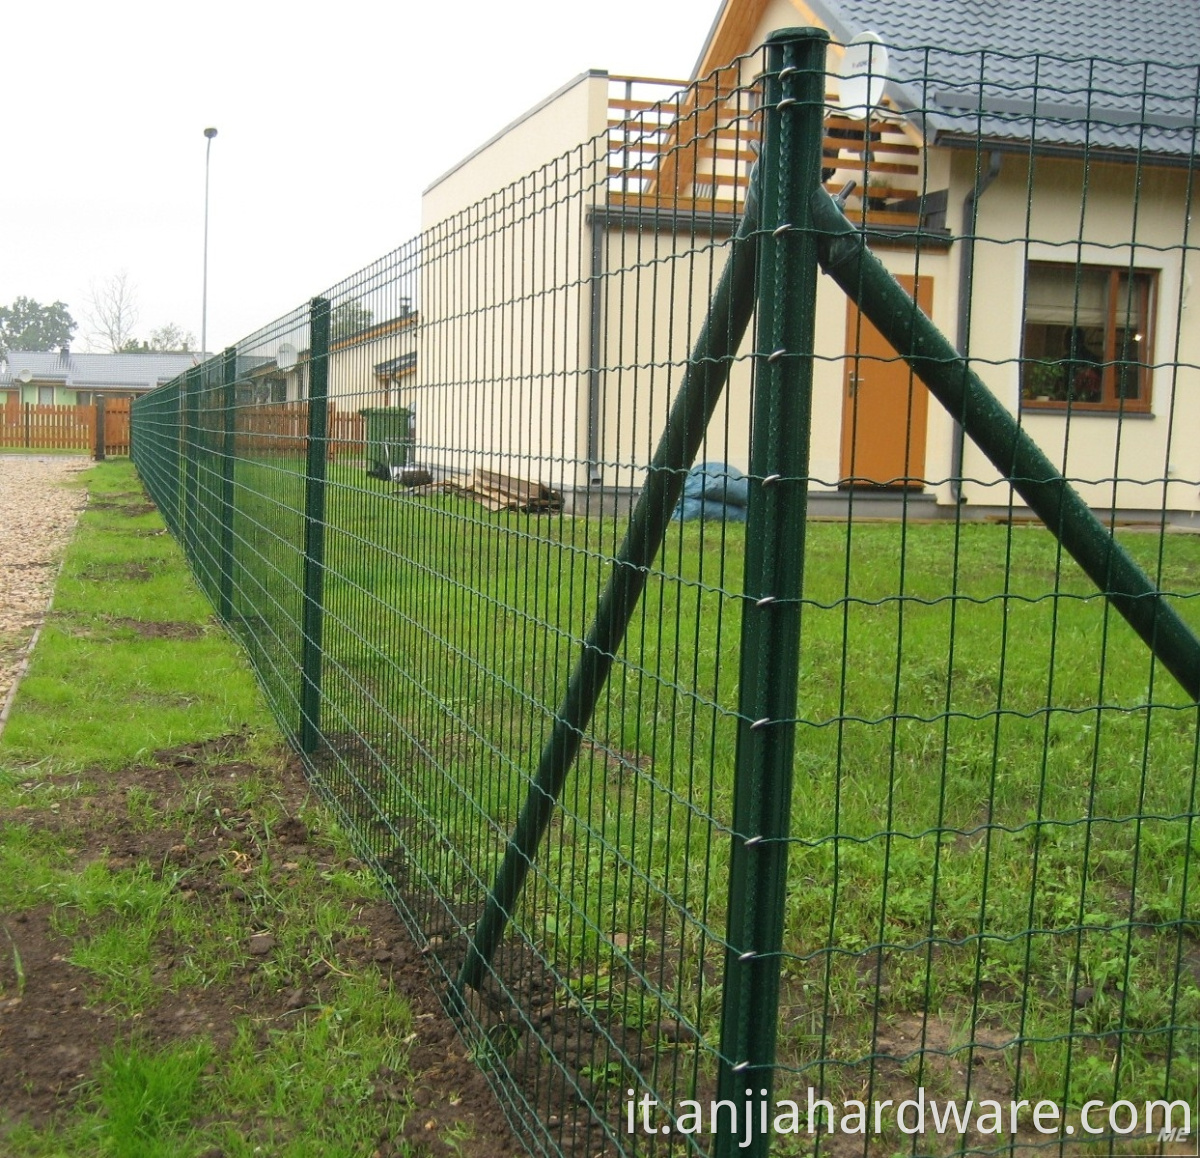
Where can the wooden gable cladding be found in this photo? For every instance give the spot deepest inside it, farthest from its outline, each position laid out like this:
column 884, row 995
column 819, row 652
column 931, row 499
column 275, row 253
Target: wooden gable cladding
column 691, row 148
column 696, row 145
column 732, row 33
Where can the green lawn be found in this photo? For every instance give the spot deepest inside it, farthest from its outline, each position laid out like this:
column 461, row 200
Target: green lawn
column 994, row 852
column 149, row 820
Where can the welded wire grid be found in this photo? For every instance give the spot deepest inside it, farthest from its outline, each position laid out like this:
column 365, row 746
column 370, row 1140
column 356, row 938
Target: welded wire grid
column 994, row 849
column 992, row 876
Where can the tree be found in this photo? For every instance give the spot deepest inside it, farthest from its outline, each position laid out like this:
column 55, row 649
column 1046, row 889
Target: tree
column 172, row 339
column 349, row 318
column 112, row 314
column 28, row 325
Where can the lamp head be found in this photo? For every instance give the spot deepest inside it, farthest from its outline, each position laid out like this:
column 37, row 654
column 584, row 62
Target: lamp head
column 210, row 133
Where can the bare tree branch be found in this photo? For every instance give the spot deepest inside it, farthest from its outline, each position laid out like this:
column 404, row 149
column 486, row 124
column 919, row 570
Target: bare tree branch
column 112, row 314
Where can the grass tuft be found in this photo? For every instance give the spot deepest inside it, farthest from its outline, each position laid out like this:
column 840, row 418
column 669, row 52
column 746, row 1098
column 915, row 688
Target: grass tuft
column 149, row 1099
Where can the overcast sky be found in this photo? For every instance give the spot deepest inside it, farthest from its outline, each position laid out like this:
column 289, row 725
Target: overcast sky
column 331, row 121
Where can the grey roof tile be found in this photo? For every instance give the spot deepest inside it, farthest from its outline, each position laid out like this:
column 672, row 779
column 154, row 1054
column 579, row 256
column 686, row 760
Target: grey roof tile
column 96, row 371
column 1066, row 73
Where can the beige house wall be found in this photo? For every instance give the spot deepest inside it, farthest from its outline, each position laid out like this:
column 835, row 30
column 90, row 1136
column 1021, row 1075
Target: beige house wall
column 655, row 301
column 507, row 277
column 1128, row 218
column 644, row 356
column 551, row 134
column 502, row 351
column 353, row 380
column 502, row 379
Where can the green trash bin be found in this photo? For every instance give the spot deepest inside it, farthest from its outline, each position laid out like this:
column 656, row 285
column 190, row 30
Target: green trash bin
column 389, row 439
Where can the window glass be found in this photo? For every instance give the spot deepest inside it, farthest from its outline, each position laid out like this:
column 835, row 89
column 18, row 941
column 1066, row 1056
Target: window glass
column 1086, row 337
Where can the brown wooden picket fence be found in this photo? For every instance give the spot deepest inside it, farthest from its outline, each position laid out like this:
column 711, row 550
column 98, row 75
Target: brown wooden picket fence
column 26, row 426
column 282, row 428
column 31, row 426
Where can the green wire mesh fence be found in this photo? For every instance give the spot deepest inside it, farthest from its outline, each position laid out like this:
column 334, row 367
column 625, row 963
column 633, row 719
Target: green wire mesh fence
column 520, row 526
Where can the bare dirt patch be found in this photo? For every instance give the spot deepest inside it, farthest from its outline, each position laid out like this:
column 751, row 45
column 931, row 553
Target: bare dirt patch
column 168, row 629
column 117, row 573
column 55, row 1024
column 128, row 503
column 145, row 628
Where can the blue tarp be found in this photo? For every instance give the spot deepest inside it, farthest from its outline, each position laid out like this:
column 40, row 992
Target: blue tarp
column 714, row 490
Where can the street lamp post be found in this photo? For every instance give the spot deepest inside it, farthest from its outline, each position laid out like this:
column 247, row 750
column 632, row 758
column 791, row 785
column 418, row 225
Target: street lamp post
column 209, row 134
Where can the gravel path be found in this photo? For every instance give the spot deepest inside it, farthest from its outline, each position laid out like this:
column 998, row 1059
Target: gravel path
column 37, row 516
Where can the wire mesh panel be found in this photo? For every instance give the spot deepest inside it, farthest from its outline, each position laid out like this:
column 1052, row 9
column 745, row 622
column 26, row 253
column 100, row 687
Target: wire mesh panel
column 995, row 761
column 155, row 430
column 491, row 518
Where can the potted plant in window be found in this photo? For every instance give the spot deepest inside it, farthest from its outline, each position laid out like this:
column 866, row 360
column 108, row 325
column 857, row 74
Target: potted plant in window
column 1043, row 381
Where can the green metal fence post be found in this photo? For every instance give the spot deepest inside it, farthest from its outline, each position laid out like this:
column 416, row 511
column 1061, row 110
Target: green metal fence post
column 188, row 465
column 99, row 435
column 314, row 524
column 794, row 100
column 228, row 448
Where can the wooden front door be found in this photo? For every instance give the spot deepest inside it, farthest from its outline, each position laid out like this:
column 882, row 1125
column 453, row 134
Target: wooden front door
column 884, row 406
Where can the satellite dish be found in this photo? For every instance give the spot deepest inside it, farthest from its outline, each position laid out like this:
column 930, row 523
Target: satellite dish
column 25, row 376
column 862, row 75
column 285, row 359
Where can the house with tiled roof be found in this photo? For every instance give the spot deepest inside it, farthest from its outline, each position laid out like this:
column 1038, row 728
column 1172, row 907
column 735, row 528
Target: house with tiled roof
column 1028, row 173
column 66, row 378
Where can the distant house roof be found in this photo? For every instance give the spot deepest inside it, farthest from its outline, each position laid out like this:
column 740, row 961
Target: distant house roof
column 397, row 366
column 1065, row 74
column 404, row 317
column 134, row 371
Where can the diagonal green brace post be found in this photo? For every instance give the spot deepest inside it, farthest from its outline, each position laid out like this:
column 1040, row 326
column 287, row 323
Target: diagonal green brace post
column 986, row 421
column 793, row 116
column 703, row 381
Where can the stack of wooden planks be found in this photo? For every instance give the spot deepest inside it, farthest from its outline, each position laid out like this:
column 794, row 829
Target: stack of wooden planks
column 502, row 492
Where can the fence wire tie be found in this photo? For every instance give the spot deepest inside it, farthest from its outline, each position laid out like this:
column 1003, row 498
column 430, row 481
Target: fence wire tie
column 760, row 723
column 751, row 841
column 779, row 230
column 741, row 1067
column 771, row 479
column 748, row 955
column 765, row 601
column 775, row 355
column 787, row 71
column 783, row 104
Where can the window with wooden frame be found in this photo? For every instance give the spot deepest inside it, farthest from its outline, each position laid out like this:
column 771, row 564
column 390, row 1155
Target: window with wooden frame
column 1087, row 337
